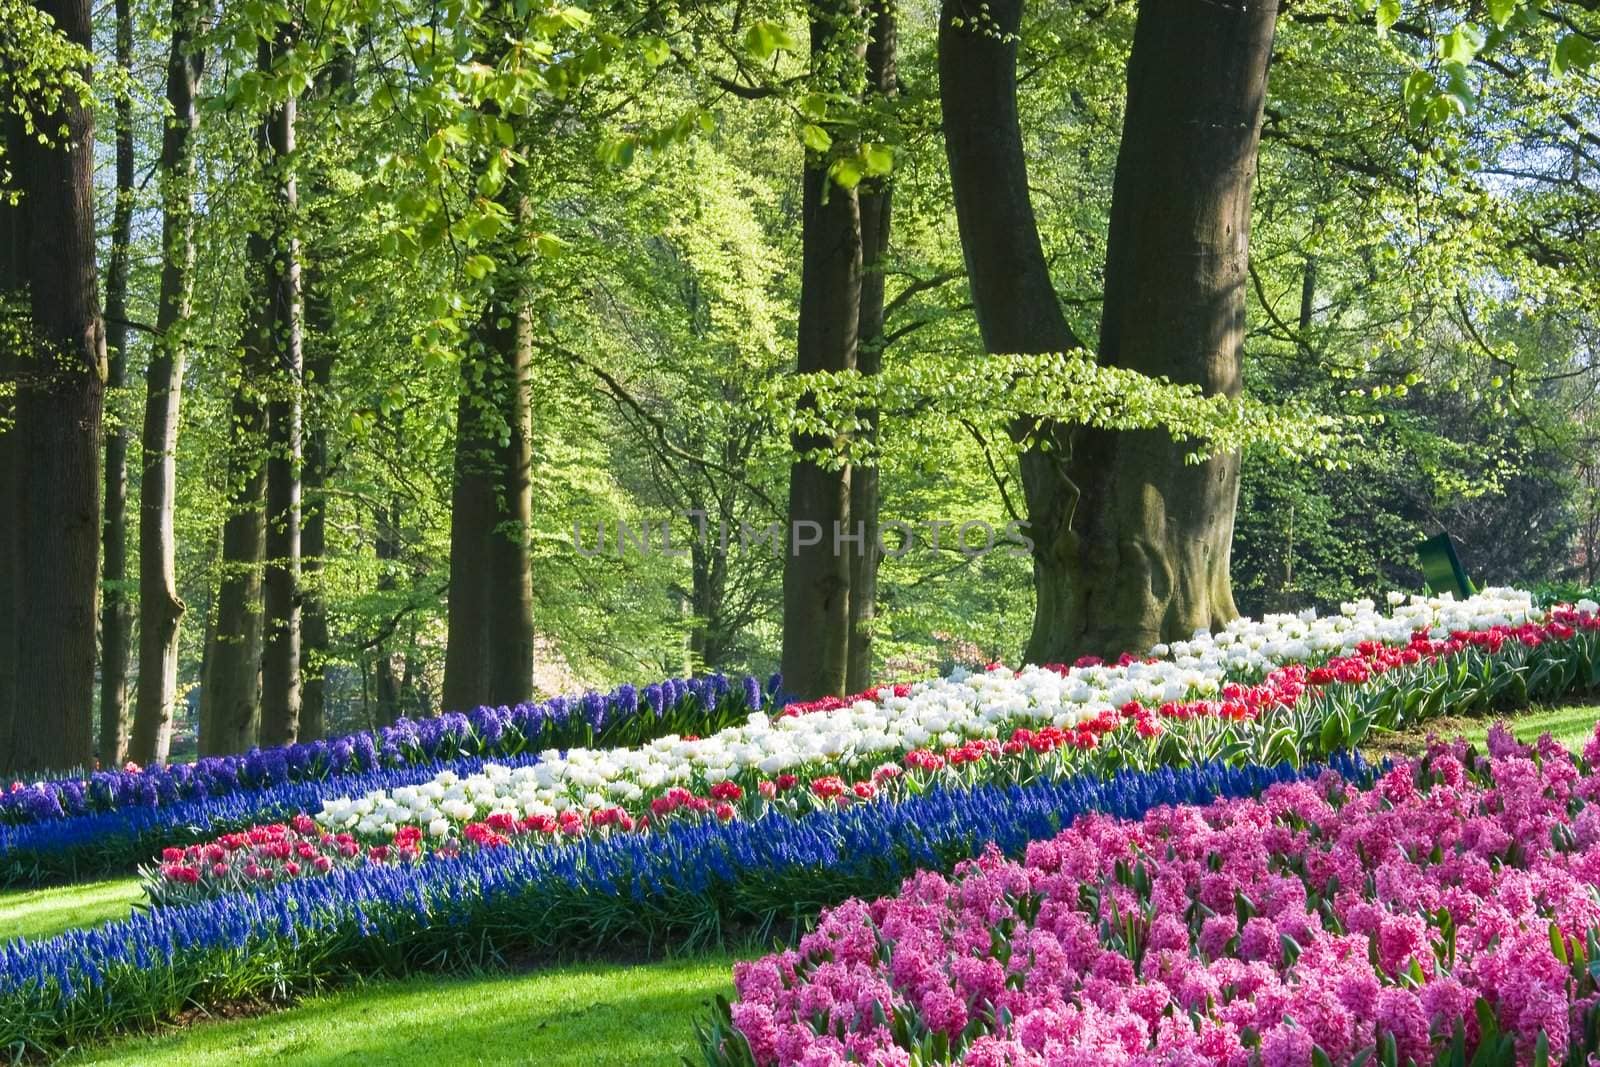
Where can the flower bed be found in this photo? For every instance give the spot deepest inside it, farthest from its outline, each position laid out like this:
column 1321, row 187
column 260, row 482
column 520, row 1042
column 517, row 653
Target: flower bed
column 115, row 842
column 1003, row 726
column 689, row 883
column 626, row 716
column 1450, row 912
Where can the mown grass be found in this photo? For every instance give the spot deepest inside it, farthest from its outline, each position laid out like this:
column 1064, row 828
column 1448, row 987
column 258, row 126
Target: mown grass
column 587, row 1015
column 1571, row 726
column 39, row 913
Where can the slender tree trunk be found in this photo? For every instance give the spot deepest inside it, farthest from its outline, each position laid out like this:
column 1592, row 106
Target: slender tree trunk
column 280, row 663
column 321, row 348
column 472, row 518
column 59, row 398
column 386, row 546
column 876, row 203
column 116, row 612
column 160, row 608
column 313, row 524
column 1155, row 531
column 817, row 558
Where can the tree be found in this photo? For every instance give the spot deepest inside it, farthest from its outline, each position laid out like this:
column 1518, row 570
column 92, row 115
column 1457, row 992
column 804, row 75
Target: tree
column 59, row 384
column 817, row 558
column 491, row 577
column 876, row 199
column 160, row 607
column 116, row 612
column 1131, row 540
column 1150, row 555
column 285, row 364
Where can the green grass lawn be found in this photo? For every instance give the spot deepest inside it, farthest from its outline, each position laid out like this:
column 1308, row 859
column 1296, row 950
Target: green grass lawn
column 588, row 1015
column 1571, row 726
column 43, row 912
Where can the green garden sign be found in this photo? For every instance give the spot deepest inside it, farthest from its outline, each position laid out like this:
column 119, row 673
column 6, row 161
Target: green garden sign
column 1441, row 567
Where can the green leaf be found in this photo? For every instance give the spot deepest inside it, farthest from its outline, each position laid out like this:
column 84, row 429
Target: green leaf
column 846, row 172
column 655, row 51
column 813, row 106
column 764, row 37
column 478, row 266
column 879, row 160
column 549, row 245
column 1500, row 12
column 1418, row 92
column 815, row 137
column 1388, row 15
column 1572, row 51
column 1462, row 44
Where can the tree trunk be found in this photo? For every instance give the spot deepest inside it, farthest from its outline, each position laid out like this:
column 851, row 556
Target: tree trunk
column 1131, row 544
column 876, row 202
column 1154, row 532
column 817, row 559
column 507, row 332
column 313, row 521
column 231, row 693
column 57, row 433
column 280, row 662
column 472, row 517
column 160, row 608
column 116, row 612
column 321, row 348
column 1013, row 297
column 13, row 322
column 386, row 546
column 490, row 650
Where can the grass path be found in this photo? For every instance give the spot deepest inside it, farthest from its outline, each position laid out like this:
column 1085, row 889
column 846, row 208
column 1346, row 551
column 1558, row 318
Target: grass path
column 44, row 912
column 588, row 1015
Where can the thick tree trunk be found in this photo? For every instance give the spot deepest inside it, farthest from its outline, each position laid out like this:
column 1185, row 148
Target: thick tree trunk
column 116, row 609
column 13, row 322
column 280, row 661
column 1015, row 302
column 876, row 203
column 817, row 558
column 1131, row 544
column 1154, row 532
column 160, row 608
column 59, row 397
column 508, row 334
column 490, row 654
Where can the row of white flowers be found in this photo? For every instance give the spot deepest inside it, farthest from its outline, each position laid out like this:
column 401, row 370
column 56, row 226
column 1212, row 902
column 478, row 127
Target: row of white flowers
column 943, row 711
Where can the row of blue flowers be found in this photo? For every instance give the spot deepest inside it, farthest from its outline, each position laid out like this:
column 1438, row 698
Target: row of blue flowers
column 696, row 882
column 106, row 843
column 628, row 715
